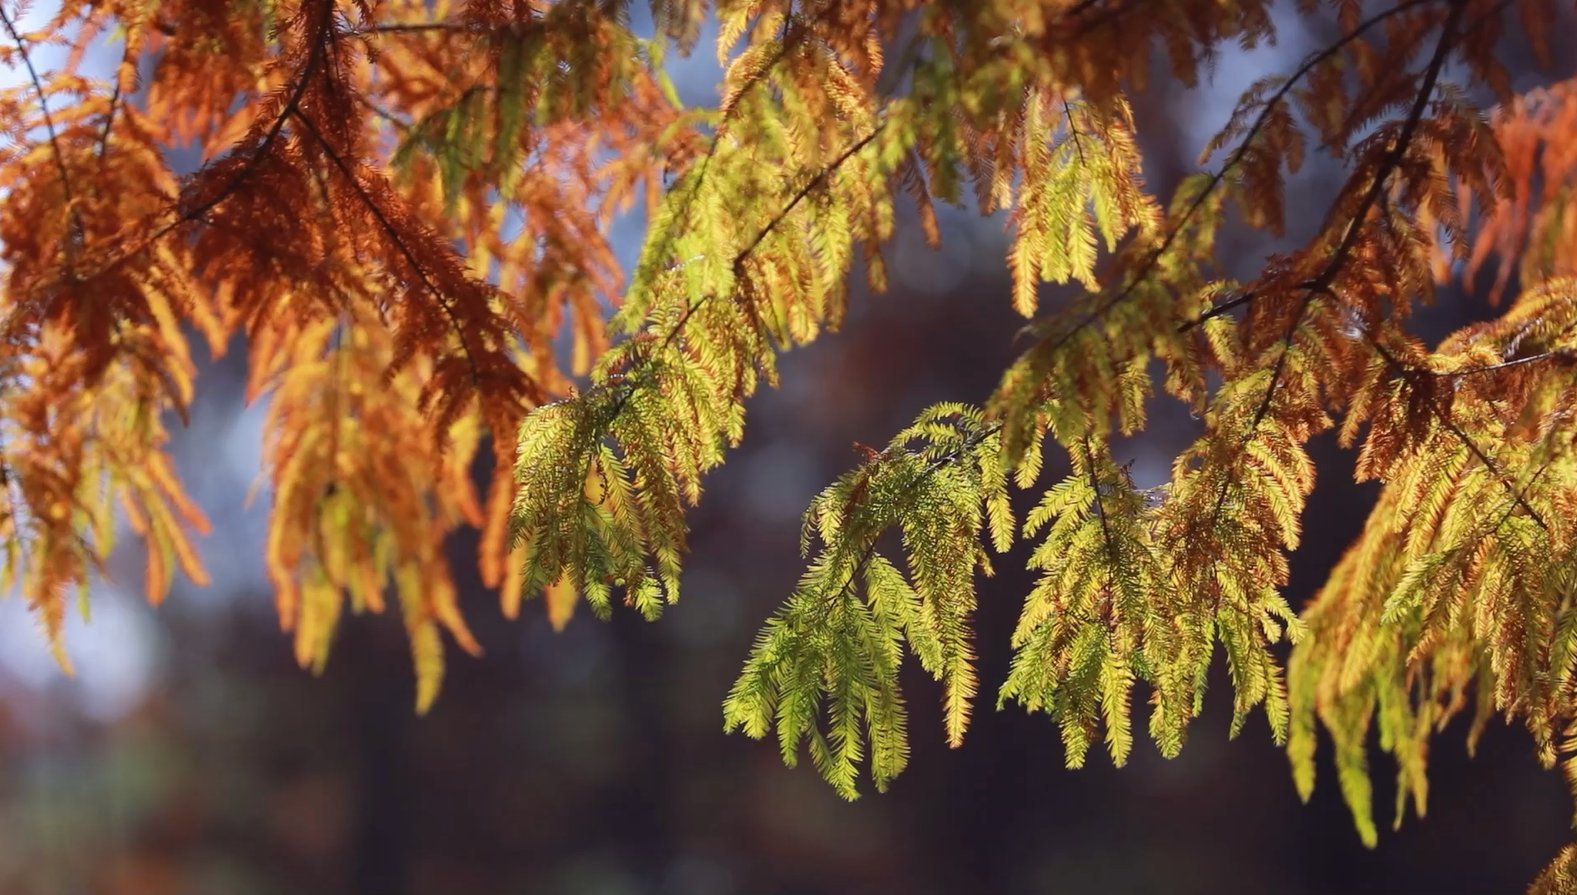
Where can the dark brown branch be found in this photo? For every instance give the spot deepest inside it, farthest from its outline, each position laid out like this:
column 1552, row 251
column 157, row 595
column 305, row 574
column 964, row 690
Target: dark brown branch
column 1555, row 354
column 398, row 242
column 1388, row 165
column 49, row 121
column 932, row 468
column 771, row 225
column 188, row 215
column 1249, row 297
column 1302, row 71
column 384, row 114
column 694, row 188
column 420, row 28
column 1394, row 158
column 1494, row 470
column 777, row 219
column 1467, row 440
column 1222, row 309
column 109, row 121
column 1100, row 512
column 1280, row 366
column 308, row 69
column 805, row 191
column 1321, row 283
column 1073, row 132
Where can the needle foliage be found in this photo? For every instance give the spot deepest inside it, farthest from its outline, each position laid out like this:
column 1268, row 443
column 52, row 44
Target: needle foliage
column 402, row 210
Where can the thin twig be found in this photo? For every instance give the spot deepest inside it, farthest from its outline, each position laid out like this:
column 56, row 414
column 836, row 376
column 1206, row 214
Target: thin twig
column 449, row 27
column 932, row 468
column 1226, row 307
column 1321, row 283
column 1393, row 158
column 393, row 234
column 1467, row 440
column 109, row 121
column 1303, row 70
column 805, row 191
column 1556, row 354
column 49, row 121
column 744, row 253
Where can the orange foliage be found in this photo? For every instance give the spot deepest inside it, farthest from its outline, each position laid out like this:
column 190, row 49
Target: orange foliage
column 397, row 307
column 402, row 209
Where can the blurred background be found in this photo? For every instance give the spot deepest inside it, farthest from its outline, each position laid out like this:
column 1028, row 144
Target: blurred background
column 191, row 755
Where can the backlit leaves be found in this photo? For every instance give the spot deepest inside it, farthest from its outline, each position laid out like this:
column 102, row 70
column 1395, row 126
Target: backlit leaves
column 1080, row 193
column 824, row 671
column 404, row 211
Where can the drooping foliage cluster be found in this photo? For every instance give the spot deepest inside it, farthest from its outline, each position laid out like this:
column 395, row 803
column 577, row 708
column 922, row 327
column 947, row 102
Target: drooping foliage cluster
column 402, row 210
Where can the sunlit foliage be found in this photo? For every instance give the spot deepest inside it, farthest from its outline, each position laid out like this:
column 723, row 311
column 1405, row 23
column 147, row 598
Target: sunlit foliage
column 402, row 209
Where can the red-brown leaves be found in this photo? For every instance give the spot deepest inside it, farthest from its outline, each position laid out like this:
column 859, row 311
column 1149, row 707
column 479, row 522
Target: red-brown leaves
column 444, row 309
column 1533, row 227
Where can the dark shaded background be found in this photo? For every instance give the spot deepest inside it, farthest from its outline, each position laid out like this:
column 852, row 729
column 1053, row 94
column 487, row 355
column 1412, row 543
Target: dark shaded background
column 193, row 756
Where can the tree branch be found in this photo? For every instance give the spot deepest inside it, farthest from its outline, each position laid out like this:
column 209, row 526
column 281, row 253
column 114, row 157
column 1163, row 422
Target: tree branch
column 49, row 128
column 399, row 243
column 1303, row 70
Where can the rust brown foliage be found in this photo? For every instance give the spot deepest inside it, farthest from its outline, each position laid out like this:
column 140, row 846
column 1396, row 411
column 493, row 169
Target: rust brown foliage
column 402, row 209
